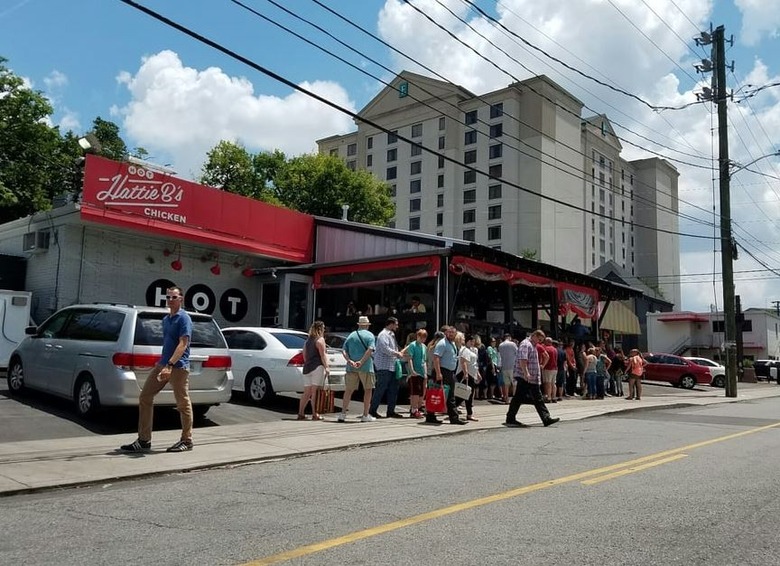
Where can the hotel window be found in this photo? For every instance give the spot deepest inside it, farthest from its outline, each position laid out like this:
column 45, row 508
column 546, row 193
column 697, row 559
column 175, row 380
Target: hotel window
column 469, row 216
column 391, row 224
column 415, row 186
column 414, row 205
column 439, row 219
column 494, row 191
column 369, row 142
column 469, row 196
column 442, row 123
column 416, row 149
column 470, row 156
column 392, row 191
column 494, row 212
column 469, row 177
column 334, row 152
column 415, row 168
column 392, row 137
column 471, row 117
column 441, row 142
column 352, row 149
column 496, row 130
column 369, row 160
column 440, row 181
column 441, row 162
column 496, row 170
column 414, row 223
column 496, row 151
column 351, row 165
column 470, row 137
column 392, row 173
column 494, row 232
column 470, row 235
column 497, row 110
column 440, row 201
column 392, row 155
column 417, row 131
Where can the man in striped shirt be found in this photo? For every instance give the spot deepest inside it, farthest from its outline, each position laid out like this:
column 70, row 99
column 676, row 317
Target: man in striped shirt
column 528, row 375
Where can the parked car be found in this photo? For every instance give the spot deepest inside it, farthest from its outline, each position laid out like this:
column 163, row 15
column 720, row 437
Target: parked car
column 676, row 370
column 717, row 371
column 336, row 339
column 763, row 369
column 267, row 361
column 99, row 356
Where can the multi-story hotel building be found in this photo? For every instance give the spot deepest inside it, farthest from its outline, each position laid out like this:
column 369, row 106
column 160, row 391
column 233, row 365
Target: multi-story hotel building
column 518, row 169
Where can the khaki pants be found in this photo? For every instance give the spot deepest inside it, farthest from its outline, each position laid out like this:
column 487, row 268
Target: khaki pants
column 180, row 383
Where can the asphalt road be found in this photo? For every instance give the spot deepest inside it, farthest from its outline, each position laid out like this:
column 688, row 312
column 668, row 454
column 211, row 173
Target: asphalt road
column 36, row 416
column 688, row 486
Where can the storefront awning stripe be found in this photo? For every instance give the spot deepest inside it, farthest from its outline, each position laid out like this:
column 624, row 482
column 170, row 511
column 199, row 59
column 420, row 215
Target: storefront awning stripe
column 376, row 272
column 489, row 272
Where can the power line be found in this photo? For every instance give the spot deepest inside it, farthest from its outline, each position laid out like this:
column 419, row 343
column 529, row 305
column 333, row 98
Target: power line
column 219, row 47
column 580, row 175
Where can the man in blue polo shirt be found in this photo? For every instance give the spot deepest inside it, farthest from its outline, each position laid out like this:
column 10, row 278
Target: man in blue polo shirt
column 445, row 362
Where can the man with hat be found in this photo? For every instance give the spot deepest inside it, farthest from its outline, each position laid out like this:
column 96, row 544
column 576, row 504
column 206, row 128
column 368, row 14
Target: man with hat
column 358, row 349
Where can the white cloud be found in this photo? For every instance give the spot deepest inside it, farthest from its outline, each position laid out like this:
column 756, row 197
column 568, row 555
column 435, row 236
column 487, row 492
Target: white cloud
column 759, row 18
column 69, row 121
column 600, row 38
column 183, row 112
column 55, row 80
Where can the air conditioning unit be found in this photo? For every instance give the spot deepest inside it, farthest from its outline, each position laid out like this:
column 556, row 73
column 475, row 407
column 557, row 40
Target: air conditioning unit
column 36, row 242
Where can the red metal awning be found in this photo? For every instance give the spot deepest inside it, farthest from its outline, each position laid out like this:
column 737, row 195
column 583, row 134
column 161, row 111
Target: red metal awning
column 682, row 317
column 489, row 272
column 376, row 272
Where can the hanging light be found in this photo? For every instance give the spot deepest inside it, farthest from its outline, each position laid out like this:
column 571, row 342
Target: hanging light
column 176, row 264
column 215, row 269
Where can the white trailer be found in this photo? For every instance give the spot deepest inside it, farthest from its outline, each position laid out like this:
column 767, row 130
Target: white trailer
column 14, row 318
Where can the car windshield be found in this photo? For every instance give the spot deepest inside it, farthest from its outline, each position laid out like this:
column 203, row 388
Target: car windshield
column 291, row 340
column 205, row 332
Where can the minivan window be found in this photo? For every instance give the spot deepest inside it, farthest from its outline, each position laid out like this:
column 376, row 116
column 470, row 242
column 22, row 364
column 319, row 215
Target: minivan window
column 205, row 332
column 52, row 328
column 94, row 324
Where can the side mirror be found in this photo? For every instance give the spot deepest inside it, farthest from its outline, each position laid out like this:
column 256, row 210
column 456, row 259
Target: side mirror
column 31, row 330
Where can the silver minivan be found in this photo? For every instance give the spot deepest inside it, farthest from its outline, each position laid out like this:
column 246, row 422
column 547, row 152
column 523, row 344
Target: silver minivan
column 99, row 355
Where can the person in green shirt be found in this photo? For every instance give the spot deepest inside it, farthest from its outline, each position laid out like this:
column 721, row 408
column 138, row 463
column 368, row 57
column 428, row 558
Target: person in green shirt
column 417, row 351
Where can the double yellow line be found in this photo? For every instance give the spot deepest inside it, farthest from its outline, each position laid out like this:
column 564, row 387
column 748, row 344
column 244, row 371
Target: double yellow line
column 589, row 477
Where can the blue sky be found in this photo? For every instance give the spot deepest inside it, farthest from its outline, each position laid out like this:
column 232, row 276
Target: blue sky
column 178, row 98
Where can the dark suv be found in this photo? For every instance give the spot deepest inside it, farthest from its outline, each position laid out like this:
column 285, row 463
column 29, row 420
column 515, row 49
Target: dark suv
column 763, row 369
column 100, row 354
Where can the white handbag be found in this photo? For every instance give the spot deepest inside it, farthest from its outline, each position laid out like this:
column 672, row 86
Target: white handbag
column 462, row 390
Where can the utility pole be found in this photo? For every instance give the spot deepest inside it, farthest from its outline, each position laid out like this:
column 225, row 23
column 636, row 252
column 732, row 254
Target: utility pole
column 727, row 246
column 777, row 307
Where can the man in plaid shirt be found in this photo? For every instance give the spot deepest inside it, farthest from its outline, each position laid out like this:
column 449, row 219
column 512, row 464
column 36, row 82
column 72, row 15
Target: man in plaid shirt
column 528, row 375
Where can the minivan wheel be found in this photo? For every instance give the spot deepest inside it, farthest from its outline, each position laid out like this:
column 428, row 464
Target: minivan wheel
column 16, row 376
column 688, row 382
column 258, row 387
column 86, row 397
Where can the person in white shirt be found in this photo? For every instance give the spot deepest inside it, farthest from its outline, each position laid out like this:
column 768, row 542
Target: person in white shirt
column 468, row 369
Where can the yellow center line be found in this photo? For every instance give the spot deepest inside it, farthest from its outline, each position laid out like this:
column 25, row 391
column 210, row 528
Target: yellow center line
column 633, row 469
column 660, row 457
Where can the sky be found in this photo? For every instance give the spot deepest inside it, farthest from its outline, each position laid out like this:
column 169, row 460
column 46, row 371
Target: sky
column 177, row 98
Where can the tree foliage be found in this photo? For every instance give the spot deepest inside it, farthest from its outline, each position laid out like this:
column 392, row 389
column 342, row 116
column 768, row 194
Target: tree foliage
column 37, row 161
column 314, row 184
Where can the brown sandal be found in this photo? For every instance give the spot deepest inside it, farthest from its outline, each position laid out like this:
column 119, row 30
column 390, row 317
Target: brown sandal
column 317, row 418
column 301, row 417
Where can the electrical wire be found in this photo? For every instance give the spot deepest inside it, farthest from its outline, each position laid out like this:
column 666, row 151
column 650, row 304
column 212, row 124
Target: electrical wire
column 579, row 175
column 279, row 78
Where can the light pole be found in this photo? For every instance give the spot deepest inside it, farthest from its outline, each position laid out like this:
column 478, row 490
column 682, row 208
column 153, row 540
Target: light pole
column 736, row 167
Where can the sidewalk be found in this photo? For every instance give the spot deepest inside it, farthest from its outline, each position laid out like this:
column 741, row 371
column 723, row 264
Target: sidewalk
column 45, row 464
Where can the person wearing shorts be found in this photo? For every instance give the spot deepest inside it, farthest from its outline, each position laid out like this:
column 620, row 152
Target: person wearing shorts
column 417, row 352
column 357, row 350
column 315, row 369
column 507, row 350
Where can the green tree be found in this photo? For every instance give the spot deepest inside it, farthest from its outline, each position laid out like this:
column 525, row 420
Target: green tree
column 31, row 152
column 111, row 144
column 528, row 253
column 320, row 184
column 315, row 184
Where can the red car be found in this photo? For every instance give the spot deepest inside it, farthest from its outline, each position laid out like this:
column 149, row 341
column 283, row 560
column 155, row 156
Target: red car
column 676, row 370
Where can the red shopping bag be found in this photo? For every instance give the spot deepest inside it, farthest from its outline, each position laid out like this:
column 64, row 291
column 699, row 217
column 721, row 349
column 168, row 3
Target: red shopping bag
column 435, row 401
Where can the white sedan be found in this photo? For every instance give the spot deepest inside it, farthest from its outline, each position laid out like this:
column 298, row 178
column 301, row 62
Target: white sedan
column 718, row 371
column 267, row 361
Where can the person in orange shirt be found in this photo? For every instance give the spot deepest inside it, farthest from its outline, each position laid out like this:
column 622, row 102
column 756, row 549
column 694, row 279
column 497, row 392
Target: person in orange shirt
column 636, row 369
